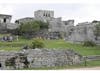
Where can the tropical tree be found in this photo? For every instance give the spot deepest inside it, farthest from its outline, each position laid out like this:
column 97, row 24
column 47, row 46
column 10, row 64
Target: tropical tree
column 32, row 26
column 29, row 27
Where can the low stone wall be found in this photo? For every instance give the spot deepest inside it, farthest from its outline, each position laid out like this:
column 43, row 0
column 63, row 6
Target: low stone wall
column 39, row 58
column 51, row 58
column 4, row 55
column 92, row 57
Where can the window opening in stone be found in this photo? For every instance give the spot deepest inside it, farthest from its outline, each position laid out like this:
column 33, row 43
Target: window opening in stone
column 0, row 65
column 4, row 20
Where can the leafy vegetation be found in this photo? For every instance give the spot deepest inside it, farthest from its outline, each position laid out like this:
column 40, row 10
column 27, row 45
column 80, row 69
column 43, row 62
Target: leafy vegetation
column 50, row 44
column 43, row 25
column 37, row 43
column 31, row 27
column 89, row 43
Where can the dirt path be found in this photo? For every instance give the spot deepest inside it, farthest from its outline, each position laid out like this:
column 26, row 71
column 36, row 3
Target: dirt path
column 90, row 68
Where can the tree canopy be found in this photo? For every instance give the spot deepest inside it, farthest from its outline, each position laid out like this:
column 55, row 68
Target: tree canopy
column 29, row 27
column 32, row 26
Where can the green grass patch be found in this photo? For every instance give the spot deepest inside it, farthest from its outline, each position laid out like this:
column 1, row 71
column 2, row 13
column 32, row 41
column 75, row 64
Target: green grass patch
column 58, row 44
column 61, row 44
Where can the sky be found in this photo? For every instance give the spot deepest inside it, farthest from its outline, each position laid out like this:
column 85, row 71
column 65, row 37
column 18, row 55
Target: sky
column 80, row 12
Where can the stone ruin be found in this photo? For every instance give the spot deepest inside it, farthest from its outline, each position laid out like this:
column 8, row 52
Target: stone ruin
column 5, row 23
column 40, row 58
column 76, row 34
column 83, row 32
column 46, row 57
column 56, row 25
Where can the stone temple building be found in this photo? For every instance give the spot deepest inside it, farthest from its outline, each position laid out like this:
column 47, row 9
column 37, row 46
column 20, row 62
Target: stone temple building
column 56, row 25
column 5, row 23
column 79, row 33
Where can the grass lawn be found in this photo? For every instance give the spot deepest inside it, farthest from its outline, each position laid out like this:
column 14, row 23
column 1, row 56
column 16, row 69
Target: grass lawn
column 58, row 44
column 61, row 44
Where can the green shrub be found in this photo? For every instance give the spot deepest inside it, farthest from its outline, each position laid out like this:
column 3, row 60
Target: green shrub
column 89, row 43
column 37, row 43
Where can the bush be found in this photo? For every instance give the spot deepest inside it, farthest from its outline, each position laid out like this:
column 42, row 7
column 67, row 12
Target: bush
column 37, row 43
column 89, row 43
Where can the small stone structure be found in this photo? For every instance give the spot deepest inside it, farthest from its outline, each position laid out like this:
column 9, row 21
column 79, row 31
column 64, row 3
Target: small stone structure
column 5, row 23
column 39, row 58
column 5, row 18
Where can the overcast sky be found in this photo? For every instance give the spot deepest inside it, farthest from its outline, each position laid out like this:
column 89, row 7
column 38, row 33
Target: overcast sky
column 77, row 11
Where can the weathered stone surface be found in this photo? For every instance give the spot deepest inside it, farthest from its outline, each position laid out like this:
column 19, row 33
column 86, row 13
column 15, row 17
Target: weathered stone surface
column 51, row 58
column 42, row 58
column 83, row 32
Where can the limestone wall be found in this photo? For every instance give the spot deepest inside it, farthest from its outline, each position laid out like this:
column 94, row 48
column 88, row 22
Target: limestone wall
column 83, row 32
column 51, row 58
column 4, row 56
column 42, row 58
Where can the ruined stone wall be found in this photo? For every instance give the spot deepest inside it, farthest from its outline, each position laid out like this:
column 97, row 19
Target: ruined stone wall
column 5, row 23
column 23, row 20
column 12, row 26
column 52, row 58
column 80, row 33
column 4, row 56
column 42, row 58
column 69, row 28
column 56, row 25
column 83, row 32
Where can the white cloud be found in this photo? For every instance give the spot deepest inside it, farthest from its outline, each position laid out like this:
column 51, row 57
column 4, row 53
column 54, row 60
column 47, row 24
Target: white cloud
column 78, row 11
column 6, row 9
